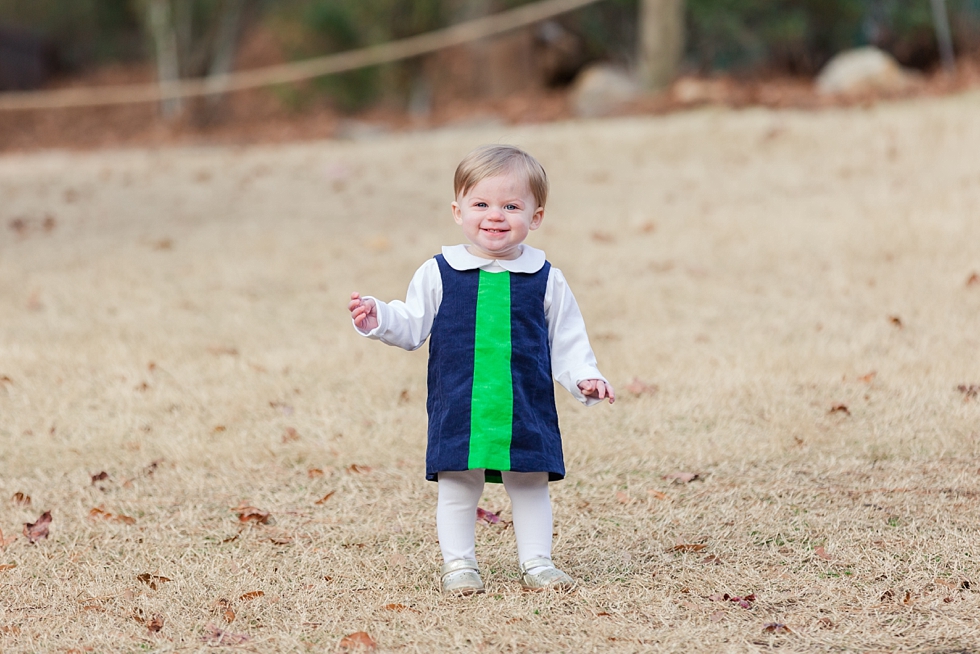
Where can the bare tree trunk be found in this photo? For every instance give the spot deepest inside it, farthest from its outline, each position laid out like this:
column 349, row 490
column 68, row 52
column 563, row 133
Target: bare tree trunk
column 661, row 42
column 944, row 37
column 226, row 43
column 479, row 52
column 165, row 40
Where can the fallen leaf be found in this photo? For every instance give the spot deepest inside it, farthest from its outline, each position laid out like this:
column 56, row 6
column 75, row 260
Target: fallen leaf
column 155, row 623
column 711, row 559
column 152, row 467
column 638, row 387
column 777, row 628
column 868, row 378
column 98, row 513
column 102, row 476
column 251, row 595
column 682, row 477
column 357, row 640
column 228, row 615
column 822, row 553
column 825, row 623
column 745, row 602
column 717, row 616
column 623, row 498
column 214, row 636
column 4, row 379
column 37, row 530
column 314, row 472
column 395, row 607
column 21, row 498
column 482, row 515
column 287, row 410
column 7, row 566
column 218, row 429
column 602, row 237
column 281, row 540
column 218, row 350
column 840, row 408
column 688, row 547
column 895, row 320
column 404, row 397
column 290, row 435
column 358, row 469
column 657, row 494
column 152, row 580
column 323, row 500
column 970, row 391
column 973, row 280
column 13, row 630
column 252, row 514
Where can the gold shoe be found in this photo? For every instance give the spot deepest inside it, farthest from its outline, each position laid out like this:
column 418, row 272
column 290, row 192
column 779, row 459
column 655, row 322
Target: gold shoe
column 461, row 577
column 548, row 578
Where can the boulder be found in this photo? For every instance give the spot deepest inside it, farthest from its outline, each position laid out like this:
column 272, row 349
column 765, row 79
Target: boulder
column 600, row 89
column 861, row 70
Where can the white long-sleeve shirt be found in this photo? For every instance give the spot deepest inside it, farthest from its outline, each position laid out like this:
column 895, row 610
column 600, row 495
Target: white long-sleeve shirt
column 408, row 324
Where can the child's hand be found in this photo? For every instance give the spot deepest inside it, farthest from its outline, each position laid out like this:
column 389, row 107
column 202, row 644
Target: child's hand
column 597, row 388
column 364, row 312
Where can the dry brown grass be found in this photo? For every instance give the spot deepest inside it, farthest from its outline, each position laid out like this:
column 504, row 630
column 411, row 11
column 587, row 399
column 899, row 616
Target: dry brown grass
column 187, row 307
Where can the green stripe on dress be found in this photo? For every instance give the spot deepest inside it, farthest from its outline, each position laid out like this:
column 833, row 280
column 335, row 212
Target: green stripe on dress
column 492, row 409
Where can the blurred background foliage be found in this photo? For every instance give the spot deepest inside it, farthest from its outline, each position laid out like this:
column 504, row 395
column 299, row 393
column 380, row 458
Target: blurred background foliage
column 736, row 36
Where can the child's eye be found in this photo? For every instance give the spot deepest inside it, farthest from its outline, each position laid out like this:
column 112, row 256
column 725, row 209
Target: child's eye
column 481, row 205
column 511, row 207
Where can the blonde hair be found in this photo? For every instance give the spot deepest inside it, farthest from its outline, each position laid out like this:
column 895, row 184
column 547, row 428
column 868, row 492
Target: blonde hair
column 492, row 160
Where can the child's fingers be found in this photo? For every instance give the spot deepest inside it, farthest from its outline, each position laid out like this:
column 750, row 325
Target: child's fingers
column 610, row 393
column 600, row 390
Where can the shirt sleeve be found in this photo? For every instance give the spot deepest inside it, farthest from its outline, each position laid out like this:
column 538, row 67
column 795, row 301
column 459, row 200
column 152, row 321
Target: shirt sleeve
column 407, row 324
column 572, row 359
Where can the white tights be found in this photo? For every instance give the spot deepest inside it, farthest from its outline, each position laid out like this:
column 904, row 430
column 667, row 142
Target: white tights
column 459, row 493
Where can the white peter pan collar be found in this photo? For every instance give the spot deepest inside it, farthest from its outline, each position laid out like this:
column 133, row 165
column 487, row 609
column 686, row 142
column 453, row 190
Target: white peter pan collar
column 530, row 261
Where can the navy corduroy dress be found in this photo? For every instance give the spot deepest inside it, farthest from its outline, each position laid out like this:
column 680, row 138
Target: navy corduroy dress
column 491, row 400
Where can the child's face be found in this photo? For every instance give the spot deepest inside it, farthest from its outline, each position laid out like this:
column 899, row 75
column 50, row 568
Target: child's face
column 496, row 216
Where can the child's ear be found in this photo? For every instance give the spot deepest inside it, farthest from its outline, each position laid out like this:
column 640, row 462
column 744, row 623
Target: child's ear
column 457, row 213
column 537, row 218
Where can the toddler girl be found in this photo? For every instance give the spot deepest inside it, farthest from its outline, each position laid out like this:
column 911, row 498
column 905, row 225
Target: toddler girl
column 503, row 323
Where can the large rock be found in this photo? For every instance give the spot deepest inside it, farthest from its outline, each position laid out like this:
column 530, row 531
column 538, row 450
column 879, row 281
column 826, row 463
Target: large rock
column 600, row 89
column 861, row 70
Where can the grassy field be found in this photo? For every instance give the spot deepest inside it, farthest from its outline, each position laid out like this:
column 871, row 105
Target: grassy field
column 787, row 303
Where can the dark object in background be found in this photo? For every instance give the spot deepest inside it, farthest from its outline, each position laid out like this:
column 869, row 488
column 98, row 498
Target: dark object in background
column 560, row 53
column 26, row 61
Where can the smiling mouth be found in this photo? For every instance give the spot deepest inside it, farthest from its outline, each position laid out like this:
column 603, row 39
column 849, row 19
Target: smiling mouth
column 495, row 231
